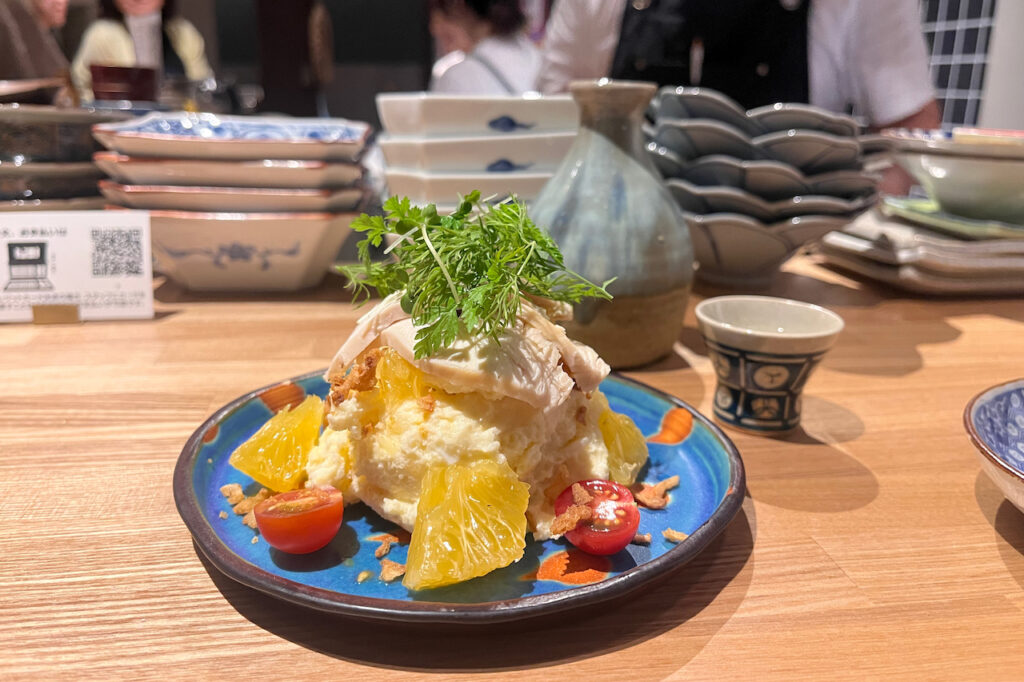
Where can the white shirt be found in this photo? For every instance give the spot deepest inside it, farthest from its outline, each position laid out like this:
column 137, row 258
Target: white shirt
column 516, row 58
column 867, row 56
column 146, row 31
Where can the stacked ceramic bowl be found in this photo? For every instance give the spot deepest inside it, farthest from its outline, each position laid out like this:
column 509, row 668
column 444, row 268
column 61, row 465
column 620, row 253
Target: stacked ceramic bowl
column 46, row 158
column 238, row 203
column 437, row 147
column 969, row 173
column 755, row 185
column 967, row 237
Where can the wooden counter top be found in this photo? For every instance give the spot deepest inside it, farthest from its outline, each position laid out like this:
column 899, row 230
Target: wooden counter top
column 870, row 544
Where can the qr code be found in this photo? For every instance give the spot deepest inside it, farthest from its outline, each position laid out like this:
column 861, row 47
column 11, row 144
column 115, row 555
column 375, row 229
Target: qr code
column 116, row 252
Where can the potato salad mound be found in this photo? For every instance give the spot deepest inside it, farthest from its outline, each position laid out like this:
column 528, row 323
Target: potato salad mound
column 528, row 400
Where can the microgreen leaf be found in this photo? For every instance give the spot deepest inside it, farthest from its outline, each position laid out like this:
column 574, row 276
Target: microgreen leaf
column 466, row 272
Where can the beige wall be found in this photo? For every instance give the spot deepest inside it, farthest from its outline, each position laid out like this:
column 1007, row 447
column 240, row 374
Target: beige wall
column 1002, row 100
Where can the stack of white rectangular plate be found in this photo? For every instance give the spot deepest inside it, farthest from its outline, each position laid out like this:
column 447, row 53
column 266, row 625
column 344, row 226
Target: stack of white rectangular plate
column 438, row 147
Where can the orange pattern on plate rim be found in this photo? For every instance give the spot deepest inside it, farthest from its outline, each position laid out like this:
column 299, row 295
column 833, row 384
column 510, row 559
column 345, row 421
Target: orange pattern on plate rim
column 572, row 568
column 276, row 398
column 675, row 427
column 211, row 434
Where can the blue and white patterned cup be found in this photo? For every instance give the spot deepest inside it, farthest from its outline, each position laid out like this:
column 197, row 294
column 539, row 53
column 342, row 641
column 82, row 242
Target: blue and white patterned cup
column 763, row 350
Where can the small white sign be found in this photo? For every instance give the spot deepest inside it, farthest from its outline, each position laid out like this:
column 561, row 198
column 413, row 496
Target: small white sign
column 99, row 261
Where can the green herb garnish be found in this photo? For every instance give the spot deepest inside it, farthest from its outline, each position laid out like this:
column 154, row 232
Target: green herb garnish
column 464, row 272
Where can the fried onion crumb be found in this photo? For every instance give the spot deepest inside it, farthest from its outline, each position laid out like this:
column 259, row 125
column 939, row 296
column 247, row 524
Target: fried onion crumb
column 249, row 503
column 250, row 520
column 255, row 539
column 223, row 514
column 655, row 496
column 364, row 576
column 362, row 376
column 674, row 535
column 575, row 514
column 427, row 403
column 233, row 493
column 391, row 570
column 385, row 546
column 580, row 495
column 642, row 539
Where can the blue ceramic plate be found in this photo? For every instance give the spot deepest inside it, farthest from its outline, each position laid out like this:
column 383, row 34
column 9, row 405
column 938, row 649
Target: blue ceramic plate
column 551, row 576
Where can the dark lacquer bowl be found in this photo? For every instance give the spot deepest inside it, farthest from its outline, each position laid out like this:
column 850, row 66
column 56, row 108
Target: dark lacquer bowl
column 48, row 180
column 132, row 83
column 35, row 132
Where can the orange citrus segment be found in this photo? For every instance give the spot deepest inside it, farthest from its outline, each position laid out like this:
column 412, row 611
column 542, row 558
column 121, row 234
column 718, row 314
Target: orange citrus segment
column 627, row 450
column 471, row 519
column 398, row 380
column 275, row 456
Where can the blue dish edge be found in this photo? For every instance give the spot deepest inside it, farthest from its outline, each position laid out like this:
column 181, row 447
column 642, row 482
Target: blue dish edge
column 976, row 439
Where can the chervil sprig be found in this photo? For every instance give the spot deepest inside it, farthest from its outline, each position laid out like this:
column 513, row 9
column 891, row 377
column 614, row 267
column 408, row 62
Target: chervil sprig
column 466, row 272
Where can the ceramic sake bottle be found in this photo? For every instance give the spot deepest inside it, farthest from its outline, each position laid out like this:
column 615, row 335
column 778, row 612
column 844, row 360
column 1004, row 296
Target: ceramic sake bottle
column 610, row 213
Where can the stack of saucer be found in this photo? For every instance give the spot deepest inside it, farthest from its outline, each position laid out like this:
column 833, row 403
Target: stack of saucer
column 756, row 185
column 46, row 158
column 237, row 203
column 437, row 147
column 912, row 245
column 967, row 238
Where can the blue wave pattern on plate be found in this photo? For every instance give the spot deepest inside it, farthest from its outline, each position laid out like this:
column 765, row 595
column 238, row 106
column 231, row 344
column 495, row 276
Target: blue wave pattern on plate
column 212, row 127
column 507, row 124
column 1000, row 423
column 698, row 460
column 234, row 252
column 505, row 166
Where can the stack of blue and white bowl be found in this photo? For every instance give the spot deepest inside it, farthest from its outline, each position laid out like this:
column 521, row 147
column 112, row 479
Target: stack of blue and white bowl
column 437, row 147
column 238, row 203
column 756, row 185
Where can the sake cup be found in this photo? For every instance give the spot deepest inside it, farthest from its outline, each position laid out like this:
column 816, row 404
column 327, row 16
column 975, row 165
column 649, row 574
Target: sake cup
column 763, row 350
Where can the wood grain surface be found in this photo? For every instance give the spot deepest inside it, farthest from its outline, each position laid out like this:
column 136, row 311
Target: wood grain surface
column 870, row 545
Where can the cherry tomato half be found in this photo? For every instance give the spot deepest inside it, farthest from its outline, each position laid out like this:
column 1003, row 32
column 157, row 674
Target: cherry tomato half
column 614, row 519
column 301, row 521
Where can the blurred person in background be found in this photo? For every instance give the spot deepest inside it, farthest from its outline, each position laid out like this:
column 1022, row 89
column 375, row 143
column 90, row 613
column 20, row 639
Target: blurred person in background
column 29, row 46
column 537, row 13
column 484, row 46
column 864, row 57
column 145, row 33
